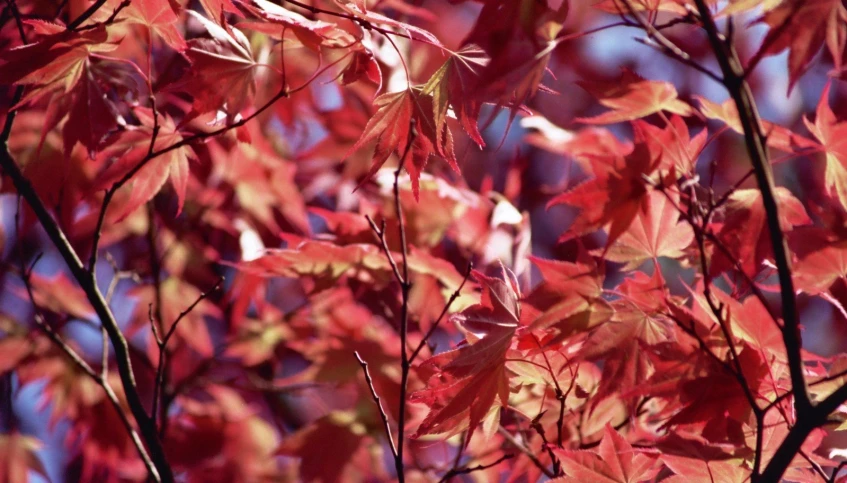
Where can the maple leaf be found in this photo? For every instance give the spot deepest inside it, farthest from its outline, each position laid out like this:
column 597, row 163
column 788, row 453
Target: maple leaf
column 132, row 148
column 92, row 115
column 467, row 386
column 326, row 262
column 18, row 457
column 362, row 65
column 223, row 68
column 778, row 137
column 55, row 62
column 450, row 86
column 159, row 18
column 833, row 138
column 568, row 299
column 655, row 232
column 58, row 294
column 15, row 348
column 218, row 438
column 822, row 260
column 638, row 318
column 745, row 231
column 312, row 33
column 674, row 144
column 61, row 64
column 217, row 9
column 631, row 97
column 620, row 342
column 67, row 391
column 615, row 462
column 694, row 469
column 614, row 196
column 517, row 66
column 803, row 26
column 398, row 115
column 358, row 9
column 774, row 430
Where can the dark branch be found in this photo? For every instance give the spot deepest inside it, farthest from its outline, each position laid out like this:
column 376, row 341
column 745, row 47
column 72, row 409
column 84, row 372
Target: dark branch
column 378, row 401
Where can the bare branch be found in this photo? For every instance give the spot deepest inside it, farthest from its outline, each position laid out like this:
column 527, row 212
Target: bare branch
column 470, row 469
column 526, row 451
column 87, row 281
column 665, row 45
column 100, row 379
column 378, row 403
column 162, row 343
column 441, row 316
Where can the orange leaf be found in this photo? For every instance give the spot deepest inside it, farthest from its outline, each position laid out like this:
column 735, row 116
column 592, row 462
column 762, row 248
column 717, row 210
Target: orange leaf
column 631, row 97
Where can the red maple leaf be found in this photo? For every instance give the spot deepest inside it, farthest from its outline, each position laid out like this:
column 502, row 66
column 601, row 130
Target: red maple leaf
column 451, row 85
column 821, row 259
column 745, row 231
column 398, row 115
column 778, row 137
column 615, row 461
column 467, row 386
column 631, row 97
column 55, row 62
column 695, row 469
column 616, row 193
column 657, row 231
column 569, row 298
column 358, row 9
column 312, row 33
column 223, row 68
column 803, row 26
column 132, row 148
column 159, row 18
column 832, row 136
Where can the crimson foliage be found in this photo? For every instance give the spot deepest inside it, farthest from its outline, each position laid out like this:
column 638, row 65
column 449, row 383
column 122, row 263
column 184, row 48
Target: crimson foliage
column 253, row 241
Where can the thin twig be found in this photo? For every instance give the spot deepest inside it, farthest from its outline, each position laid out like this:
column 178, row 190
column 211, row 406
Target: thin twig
column 162, row 343
column 754, row 140
column 441, row 316
column 87, row 281
column 99, row 378
column 470, row 469
column 526, row 451
column 86, row 14
column 837, row 470
column 666, row 45
column 378, row 401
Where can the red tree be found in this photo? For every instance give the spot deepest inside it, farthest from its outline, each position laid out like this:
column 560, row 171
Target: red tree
column 229, row 257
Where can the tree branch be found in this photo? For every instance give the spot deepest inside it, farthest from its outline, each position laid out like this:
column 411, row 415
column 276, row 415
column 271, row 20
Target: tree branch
column 162, row 343
column 88, row 283
column 470, row 469
column 754, row 139
column 378, row 401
